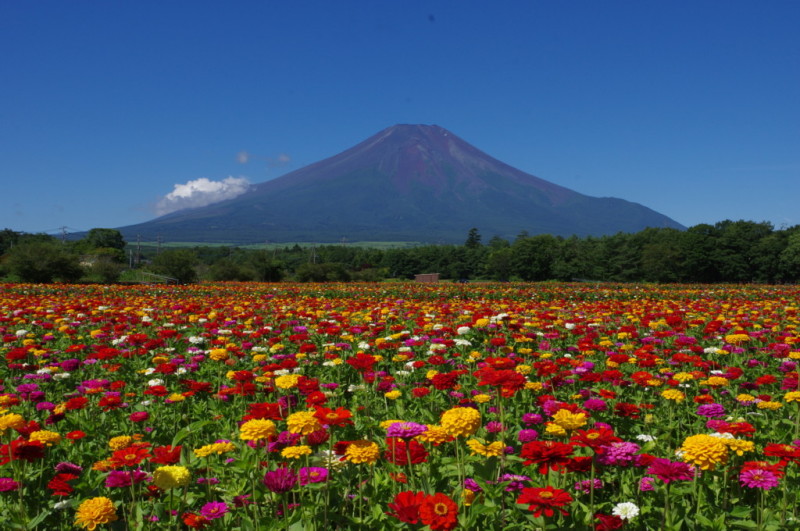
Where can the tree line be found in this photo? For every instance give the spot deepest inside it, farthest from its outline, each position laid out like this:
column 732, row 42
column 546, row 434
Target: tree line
column 728, row 251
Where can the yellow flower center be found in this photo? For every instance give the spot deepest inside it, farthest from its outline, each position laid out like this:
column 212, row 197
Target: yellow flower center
column 440, row 509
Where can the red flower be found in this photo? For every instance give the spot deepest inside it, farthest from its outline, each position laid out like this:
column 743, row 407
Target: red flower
column 608, row 522
column 196, row 521
column 445, row 380
column 75, row 435
column 59, row 484
column 549, row 454
column 166, row 455
column 623, row 409
column 594, row 438
column 438, row 511
column 79, row 402
column 398, row 451
column 543, row 500
column 130, row 456
column 264, row 410
column 786, row 452
column 339, row 417
column 406, row 506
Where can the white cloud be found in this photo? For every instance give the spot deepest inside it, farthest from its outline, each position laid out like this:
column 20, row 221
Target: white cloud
column 201, row 192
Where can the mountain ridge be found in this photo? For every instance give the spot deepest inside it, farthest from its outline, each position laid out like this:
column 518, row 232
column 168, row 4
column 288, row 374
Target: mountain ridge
column 407, row 182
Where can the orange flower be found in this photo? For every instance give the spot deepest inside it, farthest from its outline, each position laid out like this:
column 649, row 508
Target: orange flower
column 438, row 511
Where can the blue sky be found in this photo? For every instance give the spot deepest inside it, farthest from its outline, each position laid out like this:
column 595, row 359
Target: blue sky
column 109, row 109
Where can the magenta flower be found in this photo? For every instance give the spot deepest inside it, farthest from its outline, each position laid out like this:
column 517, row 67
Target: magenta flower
column 526, row 436
column 139, row 416
column 214, row 510
column 406, row 430
column 65, row 467
column 711, row 410
column 618, row 454
column 667, row 470
column 516, row 482
column 595, row 404
column 585, row 486
column 758, row 478
column 125, row 478
column 646, row 484
column 280, row 480
column 312, row 474
column 8, row 484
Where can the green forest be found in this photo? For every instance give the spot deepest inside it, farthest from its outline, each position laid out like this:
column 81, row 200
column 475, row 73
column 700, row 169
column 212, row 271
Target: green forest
column 726, row 252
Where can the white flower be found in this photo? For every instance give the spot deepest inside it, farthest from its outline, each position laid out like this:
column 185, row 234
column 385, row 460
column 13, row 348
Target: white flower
column 196, row 340
column 626, row 510
column 180, row 370
column 363, row 345
column 356, row 387
column 462, row 342
column 62, row 505
column 461, row 330
column 281, row 372
column 645, row 438
column 21, row 333
column 569, row 326
column 155, row 381
column 61, row 376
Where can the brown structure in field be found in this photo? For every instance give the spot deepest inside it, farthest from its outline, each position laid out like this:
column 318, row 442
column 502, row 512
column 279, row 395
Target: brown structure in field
column 427, row 277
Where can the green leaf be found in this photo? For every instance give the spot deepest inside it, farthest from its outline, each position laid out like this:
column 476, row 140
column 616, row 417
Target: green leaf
column 188, row 430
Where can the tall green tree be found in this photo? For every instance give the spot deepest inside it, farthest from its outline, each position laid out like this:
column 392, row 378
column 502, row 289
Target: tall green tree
column 43, row 262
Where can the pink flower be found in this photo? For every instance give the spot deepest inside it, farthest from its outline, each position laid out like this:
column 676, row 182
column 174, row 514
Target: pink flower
column 8, row 484
column 213, row 510
column 758, row 478
column 667, row 470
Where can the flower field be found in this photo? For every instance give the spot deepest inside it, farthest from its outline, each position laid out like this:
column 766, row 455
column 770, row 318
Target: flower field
column 399, row 406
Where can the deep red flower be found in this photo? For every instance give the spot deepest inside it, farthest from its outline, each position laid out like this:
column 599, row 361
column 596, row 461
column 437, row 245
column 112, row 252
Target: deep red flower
column 594, row 438
column 79, row 402
column 608, row 522
column 548, row 454
column 166, row 455
column 398, row 451
column 406, row 506
column 445, row 380
column 264, row 410
column 786, row 453
column 59, row 484
column 543, row 500
column 438, row 511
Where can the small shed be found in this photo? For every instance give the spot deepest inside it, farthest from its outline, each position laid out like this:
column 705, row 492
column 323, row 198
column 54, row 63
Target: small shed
column 427, row 277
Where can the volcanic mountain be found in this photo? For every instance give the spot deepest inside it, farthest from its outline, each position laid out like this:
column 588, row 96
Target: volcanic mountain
column 418, row 183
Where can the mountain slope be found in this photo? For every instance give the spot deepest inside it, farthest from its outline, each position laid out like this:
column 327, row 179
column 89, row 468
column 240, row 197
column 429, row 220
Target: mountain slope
column 406, row 183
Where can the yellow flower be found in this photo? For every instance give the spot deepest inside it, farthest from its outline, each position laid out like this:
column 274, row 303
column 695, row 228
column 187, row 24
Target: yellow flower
column 673, row 394
column 287, row 381
column 569, row 420
column 704, row 451
column 218, row 354
column 769, row 405
column 482, row 398
column 744, row 397
column 715, row 381
column 295, row 452
column 256, row 429
column 435, row 435
column 170, row 477
column 362, row 452
column 11, row 420
column 495, row 449
column 792, row 396
column 118, row 443
column 393, row 394
column 94, row 512
column 176, row 397
column 683, row 376
column 303, row 422
column 554, row 429
column 386, row 423
column 735, row 339
column 534, row 386
column 739, row 446
column 461, row 421
column 49, row 438
column 523, row 369
column 216, row 448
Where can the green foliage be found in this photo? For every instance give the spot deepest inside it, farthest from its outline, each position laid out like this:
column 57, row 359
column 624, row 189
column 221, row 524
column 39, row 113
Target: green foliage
column 42, row 262
column 178, row 264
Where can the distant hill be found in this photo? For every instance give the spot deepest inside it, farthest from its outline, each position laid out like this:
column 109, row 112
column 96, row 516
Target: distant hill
column 406, row 183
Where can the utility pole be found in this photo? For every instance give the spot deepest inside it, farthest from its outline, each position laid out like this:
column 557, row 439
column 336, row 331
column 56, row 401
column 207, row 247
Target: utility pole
column 63, row 234
column 158, row 247
column 138, row 249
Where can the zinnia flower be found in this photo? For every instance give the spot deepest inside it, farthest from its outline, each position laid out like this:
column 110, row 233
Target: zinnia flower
column 406, row 430
column 438, row 512
column 214, row 510
column 303, row 422
column 256, row 429
column 312, row 474
column 668, row 471
column 758, row 478
column 169, row 477
column 461, row 421
column 406, row 506
column 626, row 510
column 704, row 451
column 362, row 452
column 94, row 512
column 280, row 480
column 295, row 452
column 543, row 500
